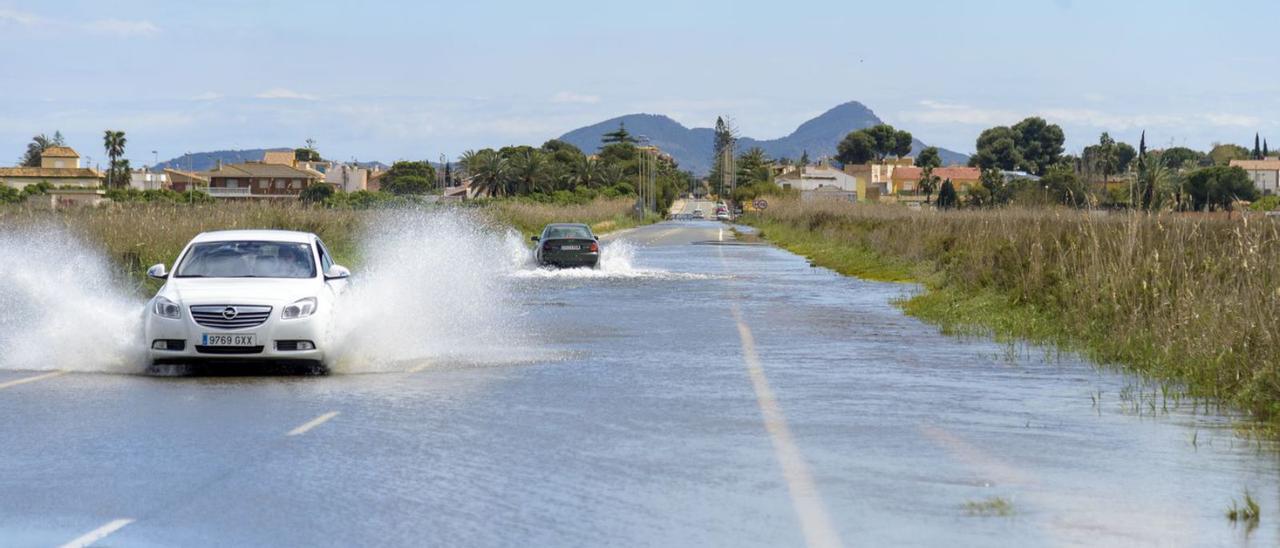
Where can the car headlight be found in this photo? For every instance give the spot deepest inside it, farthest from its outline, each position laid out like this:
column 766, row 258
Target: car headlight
column 166, row 308
column 299, row 309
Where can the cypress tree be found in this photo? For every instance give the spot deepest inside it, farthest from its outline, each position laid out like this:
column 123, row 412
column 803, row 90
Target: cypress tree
column 1257, row 147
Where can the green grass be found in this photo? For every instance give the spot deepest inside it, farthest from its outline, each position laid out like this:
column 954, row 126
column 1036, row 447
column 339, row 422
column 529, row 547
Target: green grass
column 826, row 251
column 993, row 506
column 1247, row 512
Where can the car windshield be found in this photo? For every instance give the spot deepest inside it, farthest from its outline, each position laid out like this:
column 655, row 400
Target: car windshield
column 248, row 260
column 568, row 233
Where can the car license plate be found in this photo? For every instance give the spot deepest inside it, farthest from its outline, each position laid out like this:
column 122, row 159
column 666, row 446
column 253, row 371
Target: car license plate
column 570, row 248
column 230, row 339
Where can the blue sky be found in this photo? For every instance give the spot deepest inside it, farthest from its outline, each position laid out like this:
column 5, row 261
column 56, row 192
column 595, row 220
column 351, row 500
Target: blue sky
column 387, row 80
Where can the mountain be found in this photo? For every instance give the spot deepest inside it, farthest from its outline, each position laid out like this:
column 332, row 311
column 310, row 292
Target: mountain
column 693, row 148
column 205, row 161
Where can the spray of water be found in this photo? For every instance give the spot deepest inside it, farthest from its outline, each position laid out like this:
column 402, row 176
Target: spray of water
column 617, row 261
column 62, row 306
column 431, row 288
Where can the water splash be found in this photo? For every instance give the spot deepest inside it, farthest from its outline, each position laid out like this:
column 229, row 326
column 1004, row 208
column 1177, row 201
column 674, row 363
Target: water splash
column 617, row 261
column 431, row 289
column 63, row 306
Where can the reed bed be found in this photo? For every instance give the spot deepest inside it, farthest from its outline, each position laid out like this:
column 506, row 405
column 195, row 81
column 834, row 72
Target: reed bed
column 1185, row 299
column 138, row 235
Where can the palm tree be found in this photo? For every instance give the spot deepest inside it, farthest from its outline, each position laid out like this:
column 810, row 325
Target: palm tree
column 468, row 162
column 489, row 172
column 113, row 142
column 586, row 172
column 529, row 171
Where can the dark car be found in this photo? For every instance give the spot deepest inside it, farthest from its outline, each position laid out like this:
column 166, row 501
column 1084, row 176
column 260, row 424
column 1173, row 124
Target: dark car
column 567, row 246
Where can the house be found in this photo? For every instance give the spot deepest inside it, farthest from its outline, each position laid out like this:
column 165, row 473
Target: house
column 182, row 181
column 259, row 180
column 1265, row 174
column 141, row 179
column 59, row 166
column 907, row 179
column 821, row 181
column 349, row 177
column 878, row 176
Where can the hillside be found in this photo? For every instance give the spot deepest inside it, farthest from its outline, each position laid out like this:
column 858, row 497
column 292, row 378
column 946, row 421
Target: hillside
column 205, row 161
column 693, row 148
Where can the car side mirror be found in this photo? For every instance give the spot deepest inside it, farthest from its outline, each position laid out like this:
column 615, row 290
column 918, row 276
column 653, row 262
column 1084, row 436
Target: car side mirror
column 534, row 238
column 337, row 272
column 158, row 272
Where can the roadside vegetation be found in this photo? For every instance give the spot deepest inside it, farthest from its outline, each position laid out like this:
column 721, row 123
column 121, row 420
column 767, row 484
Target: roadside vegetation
column 136, row 235
column 990, row 507
column 1192, row 300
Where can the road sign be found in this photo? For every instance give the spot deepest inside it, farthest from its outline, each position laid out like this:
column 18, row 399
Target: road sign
column 761, row 204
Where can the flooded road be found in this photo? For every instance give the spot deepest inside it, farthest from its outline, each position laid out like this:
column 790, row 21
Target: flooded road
column 709, row 394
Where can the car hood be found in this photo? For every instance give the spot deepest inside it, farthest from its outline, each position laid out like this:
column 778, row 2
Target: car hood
column 266, row 291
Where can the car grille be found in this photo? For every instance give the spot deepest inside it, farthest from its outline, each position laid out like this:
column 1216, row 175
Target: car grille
column 225, row 350
column 215, row 316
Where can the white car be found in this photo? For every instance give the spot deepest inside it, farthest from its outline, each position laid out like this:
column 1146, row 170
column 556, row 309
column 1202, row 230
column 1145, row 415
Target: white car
column 245, row 295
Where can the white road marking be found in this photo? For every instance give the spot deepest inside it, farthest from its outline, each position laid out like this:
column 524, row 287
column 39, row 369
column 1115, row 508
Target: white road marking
column 815, row 523
column 97, row 534
column 312, row 424
column 31, row 379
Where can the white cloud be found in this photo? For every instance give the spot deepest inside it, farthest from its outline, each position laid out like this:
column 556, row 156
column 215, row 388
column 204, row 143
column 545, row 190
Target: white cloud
column 207, row 96
column 18, row 17
column 283, row 93
column 940, row 112
column 120, row 27
column 1232, row 120
column 575, row 98
column 110, row 26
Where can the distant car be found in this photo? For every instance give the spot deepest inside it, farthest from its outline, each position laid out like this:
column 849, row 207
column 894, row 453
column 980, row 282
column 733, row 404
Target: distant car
column 723, row 216
column 567, row 246
column 245, row 295
column 697, row 214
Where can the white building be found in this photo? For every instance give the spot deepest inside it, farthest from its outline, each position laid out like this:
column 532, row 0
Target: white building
column 1264, row 173
column 141, row 179
column 820, row 182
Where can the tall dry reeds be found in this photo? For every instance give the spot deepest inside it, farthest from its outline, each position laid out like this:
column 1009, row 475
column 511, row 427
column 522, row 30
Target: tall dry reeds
column 1196, row 300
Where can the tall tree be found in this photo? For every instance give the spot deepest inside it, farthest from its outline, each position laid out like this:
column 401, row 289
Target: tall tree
column 35, row 148
column 490, row 172
column 1257, row 147
column 1265, row 153
column 856, row 148
column 997, row 148
column 929, row 158
column 724, row 149
column 1040, row 144
column 947, row 197
column 620, row 135
column 113, row 142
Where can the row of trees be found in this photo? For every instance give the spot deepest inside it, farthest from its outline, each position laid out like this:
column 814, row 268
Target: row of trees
column 561, row 171
column 113, row 142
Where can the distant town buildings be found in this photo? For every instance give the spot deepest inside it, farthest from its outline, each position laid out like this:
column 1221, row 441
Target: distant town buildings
column 259, row 180
column 1264, row 173
column 59, row 166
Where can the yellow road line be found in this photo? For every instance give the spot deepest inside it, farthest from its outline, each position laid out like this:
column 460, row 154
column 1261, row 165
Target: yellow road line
column 418, row 368
column 92, row 537
column 26, row 380
column 312, row 424
column 815, row 523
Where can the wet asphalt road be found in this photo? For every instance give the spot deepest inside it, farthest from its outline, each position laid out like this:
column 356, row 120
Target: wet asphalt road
column 716, row 394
